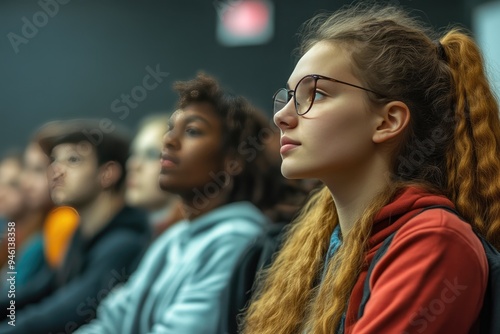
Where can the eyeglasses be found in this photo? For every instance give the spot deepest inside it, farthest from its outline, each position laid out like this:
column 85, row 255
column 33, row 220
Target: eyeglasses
column 304, row 93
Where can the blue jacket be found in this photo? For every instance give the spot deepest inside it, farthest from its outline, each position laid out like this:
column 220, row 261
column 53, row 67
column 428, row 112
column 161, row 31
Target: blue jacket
column 180, row 285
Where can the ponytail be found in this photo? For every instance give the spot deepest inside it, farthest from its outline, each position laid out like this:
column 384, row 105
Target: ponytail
column 473, row 159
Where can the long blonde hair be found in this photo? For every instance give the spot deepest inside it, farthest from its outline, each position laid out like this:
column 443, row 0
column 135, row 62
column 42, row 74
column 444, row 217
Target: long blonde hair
column 455, row 127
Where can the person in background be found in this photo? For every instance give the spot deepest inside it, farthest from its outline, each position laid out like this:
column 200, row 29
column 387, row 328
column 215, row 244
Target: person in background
column 27, row 205
column 34, row 185
column 12, row 201
column 32, row 243
column 213, row 159
column 143, row 170
column 12, row 208
column 394, row 120
column 87, row 172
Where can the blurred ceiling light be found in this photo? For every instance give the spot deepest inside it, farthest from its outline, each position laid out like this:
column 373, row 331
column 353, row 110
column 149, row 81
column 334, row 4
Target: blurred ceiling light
column 244, row 22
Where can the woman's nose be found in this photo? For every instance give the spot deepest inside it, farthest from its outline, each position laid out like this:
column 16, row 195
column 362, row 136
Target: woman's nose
column 286, row 118
column 170, row 140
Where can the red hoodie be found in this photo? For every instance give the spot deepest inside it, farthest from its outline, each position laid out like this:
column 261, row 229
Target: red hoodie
column 432, row 278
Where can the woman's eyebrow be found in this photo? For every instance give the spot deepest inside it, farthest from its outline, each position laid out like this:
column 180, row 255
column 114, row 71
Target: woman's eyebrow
column 194, row 118
column 186, row 120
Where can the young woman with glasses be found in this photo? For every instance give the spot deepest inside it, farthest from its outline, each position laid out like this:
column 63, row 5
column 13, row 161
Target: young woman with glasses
column 392, row 120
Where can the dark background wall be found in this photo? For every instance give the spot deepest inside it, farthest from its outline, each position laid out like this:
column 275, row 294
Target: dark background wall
column 91, row 52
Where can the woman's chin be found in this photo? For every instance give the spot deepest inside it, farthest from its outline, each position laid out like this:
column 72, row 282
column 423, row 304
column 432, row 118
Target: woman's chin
column 164, row 182
column 291, row 173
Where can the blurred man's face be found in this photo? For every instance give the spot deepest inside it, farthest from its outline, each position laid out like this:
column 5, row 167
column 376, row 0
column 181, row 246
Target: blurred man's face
column 12, row 201
column 73, row 175
column 143, row 169
column 34, row 182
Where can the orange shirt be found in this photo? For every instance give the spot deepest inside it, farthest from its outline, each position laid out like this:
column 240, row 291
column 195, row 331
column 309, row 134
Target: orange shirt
column 60, row 225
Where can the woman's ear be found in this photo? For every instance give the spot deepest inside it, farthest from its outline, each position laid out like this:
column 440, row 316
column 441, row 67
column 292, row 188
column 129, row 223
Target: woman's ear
column 393, row 119
column 110, row 174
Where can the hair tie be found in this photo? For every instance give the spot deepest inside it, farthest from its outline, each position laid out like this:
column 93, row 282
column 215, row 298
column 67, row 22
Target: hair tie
column 441, row 51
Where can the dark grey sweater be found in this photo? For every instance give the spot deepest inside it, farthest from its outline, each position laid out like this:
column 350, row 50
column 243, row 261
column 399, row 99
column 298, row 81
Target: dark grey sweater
column 61, row 301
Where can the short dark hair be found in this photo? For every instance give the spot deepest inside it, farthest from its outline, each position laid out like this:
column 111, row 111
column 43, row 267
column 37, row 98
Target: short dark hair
column 109, row 143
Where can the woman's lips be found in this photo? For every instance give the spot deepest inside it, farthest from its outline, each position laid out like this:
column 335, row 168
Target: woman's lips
column 168, row 161
column 287, row 147
column 287, row 144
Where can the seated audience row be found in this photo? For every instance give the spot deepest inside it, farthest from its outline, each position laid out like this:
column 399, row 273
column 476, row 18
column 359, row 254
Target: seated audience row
column 193, row 191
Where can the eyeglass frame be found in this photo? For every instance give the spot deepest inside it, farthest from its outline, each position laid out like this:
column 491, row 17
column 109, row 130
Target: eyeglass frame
column 316, row 77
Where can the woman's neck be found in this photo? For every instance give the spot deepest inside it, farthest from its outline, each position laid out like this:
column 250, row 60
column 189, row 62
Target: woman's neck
column 354, row 191
column 194, row 207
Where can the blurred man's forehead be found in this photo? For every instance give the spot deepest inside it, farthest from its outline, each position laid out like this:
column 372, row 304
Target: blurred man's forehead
column 83, row 148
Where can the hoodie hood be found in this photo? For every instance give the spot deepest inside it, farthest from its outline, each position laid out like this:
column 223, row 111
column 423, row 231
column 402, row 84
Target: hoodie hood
column 408, row 203
column 230, row 213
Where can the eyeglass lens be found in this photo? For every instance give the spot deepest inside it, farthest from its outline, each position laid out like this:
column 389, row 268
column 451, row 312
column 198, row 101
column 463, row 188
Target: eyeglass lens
column 303, row 96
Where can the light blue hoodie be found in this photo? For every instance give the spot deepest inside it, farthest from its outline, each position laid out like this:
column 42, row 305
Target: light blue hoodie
column 180, row 284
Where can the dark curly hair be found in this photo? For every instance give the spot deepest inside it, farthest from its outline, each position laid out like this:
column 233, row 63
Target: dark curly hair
column 245, row 133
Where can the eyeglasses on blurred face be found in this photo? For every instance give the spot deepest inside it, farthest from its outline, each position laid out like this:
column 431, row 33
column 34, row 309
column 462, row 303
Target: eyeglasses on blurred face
column 149, row 154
